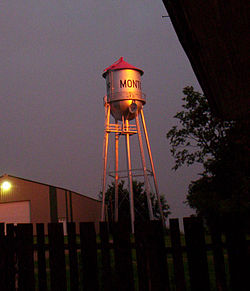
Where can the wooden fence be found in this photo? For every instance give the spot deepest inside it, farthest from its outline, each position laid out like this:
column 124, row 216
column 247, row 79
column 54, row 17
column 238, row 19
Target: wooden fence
column 149, row 260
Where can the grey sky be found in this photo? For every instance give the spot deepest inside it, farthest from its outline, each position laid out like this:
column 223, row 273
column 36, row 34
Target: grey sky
column 52, row 56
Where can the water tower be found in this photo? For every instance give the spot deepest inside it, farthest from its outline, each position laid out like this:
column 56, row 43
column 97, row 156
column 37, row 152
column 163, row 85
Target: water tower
column 125, row 101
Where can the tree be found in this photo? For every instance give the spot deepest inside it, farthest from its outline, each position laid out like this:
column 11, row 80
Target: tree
column 201, row 137
column 140, row 202
column 222, row 147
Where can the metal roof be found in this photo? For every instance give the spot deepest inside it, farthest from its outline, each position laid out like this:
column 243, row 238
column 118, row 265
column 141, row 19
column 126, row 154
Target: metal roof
column 120, row 65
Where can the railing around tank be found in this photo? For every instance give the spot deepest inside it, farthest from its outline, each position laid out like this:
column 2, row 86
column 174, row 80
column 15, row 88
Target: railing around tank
column 122, row 128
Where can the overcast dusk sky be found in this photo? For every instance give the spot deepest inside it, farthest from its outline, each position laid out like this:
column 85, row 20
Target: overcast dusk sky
column 52, row 56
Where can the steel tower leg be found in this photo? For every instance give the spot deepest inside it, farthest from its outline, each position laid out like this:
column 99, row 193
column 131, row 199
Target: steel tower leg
column 105, row 157
column 116, row 171
column 152, row 166
column 150, row 210
column 130, row 180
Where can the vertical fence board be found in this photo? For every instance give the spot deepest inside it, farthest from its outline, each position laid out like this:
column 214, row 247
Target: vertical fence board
column 218, row 254
column 41, row 259
column 73, row 261
column 11, row 257
column 89, row 256
column 238, row 257
column 142, row 257
column 123, row 260
column 3, row 259
column 196, row 253
column 1, row 229
column 151, row 256
column 25, row 257
column 158, row 257
column 57, row 257
column 107, row 277
column 11, row 229
column 179, row 275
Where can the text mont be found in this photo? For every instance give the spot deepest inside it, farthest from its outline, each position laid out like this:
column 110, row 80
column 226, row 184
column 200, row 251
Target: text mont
column 130, row 84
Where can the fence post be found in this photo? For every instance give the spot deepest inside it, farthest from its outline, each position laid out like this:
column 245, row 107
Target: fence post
column 218, row 254
column 57, row 257
column 3, row 259
column 41, row 259
column 142, row 257
column 10, row 257
column 1, row 229
column 151, row 256
column 179, row 275
column 158, row 257
column 107, row 277
column 123, row 257
column 89, row 256
column 25, row 257
column 238, row 257
column 196, row 253
column 73, row 261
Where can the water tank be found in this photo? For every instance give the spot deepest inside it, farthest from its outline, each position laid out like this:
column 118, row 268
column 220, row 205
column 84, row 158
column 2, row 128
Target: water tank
column 124, row 93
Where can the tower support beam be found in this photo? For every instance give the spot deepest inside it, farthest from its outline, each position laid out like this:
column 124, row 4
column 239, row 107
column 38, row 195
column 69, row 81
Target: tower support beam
column 152, row 164
column 116, row 172
column 105, row 157
column 130, row 179
column 146, row 181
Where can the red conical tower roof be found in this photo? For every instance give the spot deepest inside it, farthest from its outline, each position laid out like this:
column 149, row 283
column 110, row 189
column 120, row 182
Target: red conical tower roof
column 119, row 65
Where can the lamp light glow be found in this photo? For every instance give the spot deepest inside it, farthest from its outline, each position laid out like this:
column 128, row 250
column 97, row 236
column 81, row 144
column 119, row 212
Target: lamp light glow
column 6, row 185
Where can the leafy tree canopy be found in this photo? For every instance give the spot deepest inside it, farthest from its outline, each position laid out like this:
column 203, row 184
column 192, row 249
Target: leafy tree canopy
column 222, row 147
column 200, row 137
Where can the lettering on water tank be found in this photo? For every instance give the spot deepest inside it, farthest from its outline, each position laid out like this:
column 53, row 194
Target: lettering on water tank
column 130, row 84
